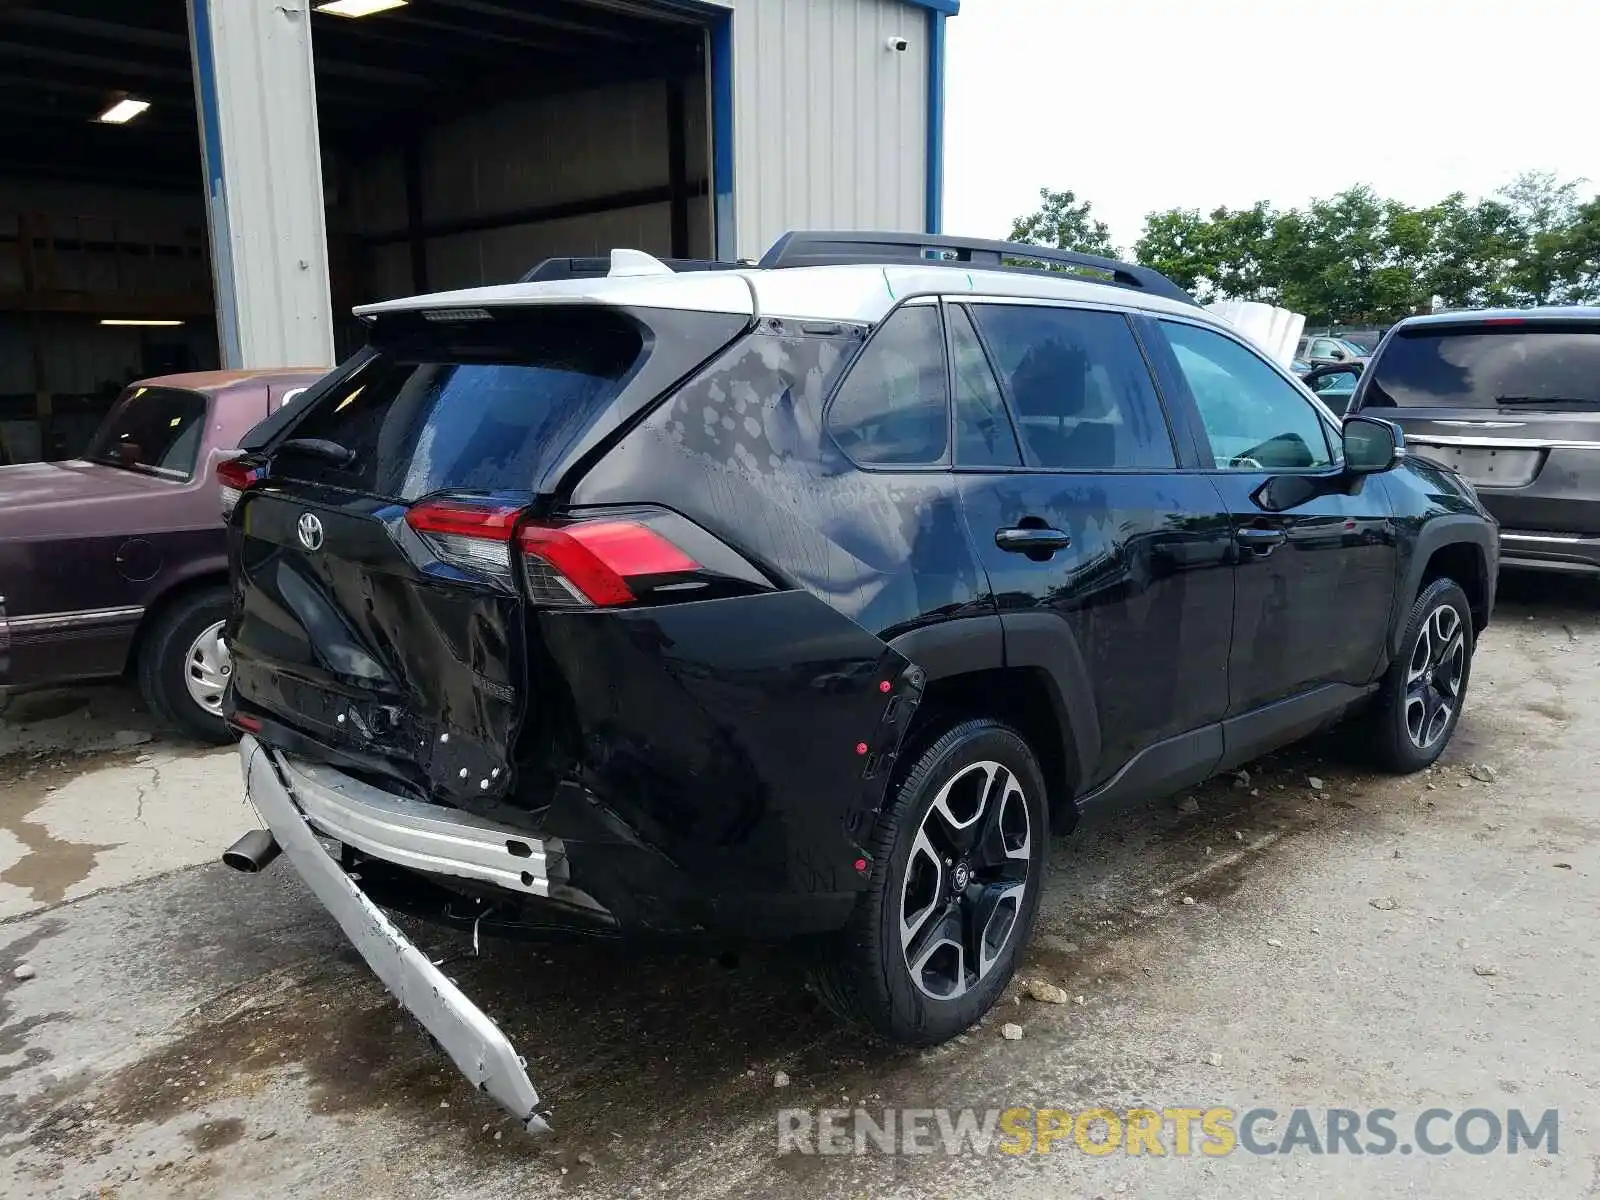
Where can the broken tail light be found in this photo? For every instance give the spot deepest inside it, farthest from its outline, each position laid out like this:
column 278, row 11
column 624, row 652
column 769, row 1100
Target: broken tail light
column 235, row 476
column 475, row 537
column 577, row 564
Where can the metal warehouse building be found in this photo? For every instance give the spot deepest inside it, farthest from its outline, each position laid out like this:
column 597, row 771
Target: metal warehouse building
column 181, row 190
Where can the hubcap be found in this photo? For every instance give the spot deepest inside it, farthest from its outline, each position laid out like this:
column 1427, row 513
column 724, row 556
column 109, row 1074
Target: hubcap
column 207, row 668
column 1433, row 677
column 965, row 880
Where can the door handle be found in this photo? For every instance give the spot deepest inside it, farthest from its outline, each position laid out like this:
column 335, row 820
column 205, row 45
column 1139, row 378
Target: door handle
column 1262, row 541
column 1032, row 541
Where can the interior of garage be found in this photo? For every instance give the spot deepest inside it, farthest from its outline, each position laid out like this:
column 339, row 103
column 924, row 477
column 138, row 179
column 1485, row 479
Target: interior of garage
column 462, row 142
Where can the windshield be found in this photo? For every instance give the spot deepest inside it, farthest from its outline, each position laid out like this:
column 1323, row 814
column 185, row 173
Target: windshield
column 1525, row 365
column 154, row 430
column 471, row 407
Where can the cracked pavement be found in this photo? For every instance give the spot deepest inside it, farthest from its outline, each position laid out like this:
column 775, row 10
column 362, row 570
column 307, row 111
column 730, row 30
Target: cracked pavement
column 1371, row 942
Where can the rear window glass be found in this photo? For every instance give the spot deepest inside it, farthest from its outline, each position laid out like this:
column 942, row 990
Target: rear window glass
column 484, row 407
column 1488, row 368
column 154, row 430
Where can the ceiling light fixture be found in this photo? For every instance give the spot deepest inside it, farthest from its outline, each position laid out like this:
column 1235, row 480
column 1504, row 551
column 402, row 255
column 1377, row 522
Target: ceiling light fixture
column 358, row 8
column 155, row 322
column 123, row 111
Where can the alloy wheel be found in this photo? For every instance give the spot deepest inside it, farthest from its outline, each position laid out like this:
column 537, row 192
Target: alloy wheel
column 965, row 880
column 1434, row 676
column 207, row 667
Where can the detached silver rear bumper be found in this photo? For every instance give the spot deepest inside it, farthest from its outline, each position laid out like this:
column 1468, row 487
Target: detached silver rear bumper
column 473, row 1041
column 408, row 833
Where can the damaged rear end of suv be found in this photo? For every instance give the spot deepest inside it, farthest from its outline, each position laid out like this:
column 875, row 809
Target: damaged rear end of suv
column 507, row 702
column 803, row 601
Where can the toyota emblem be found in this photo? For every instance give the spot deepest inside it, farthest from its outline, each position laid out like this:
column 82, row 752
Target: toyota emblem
column 310, row 530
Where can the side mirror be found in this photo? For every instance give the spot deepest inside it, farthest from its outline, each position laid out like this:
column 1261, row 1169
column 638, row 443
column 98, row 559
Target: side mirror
column 1336, row 354
column 1371, row 445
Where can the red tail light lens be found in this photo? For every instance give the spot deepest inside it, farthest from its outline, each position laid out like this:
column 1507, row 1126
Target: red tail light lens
column 476, row 537
column 592, row 561
column 234, row 477
column 578, row 565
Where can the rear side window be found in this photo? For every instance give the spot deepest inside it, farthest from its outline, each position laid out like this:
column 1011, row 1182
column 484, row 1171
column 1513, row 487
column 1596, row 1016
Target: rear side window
column 468, row 407
column 893, row 409
column 157, row 431
column 1079, row 386
column 983, row 430
column 1499, row 366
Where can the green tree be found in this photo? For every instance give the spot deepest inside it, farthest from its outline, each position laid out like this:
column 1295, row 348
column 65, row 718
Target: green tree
column 1066, row 223
column 1546, row 212
column 1178, row 243
column 1227, row 254
column 1357, row 257
column 1475, row 249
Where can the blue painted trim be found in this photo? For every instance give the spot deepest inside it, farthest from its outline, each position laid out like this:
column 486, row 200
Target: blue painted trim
column 205, row 72
column 949, row 8
column 935, row 163
column 722, row 116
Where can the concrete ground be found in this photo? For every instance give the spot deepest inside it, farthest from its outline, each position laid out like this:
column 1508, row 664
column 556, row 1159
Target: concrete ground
column 1357, row 942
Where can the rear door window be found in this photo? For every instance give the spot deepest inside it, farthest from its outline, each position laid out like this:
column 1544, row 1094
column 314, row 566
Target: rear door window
column 893, row 409
column 984, row 437
column 484, row 408
column 1511, row 366
column 1079, row 387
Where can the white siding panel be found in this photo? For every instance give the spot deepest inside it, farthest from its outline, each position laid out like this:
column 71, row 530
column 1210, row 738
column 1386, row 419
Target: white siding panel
column 272, row 253
column 830, row 125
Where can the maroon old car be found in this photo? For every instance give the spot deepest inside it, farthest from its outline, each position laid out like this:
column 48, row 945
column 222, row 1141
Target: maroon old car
column 117, row 562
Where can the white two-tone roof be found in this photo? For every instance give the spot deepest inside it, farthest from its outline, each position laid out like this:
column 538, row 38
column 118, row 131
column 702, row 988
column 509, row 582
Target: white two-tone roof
column 855, row 293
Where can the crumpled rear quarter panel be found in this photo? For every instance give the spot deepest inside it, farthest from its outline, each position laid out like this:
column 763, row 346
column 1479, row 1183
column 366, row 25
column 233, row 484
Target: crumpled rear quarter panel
column 739, row 747
column 741, row 450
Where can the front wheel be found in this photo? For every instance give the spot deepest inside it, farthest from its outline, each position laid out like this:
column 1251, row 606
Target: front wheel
column 1422, row 693
column 184, row 665
column 959, row 864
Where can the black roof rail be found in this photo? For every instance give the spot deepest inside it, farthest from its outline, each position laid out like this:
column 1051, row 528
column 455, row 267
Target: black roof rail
column 806, row 248
column 600, row 265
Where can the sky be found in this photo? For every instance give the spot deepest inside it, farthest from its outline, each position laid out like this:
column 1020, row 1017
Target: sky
column 1142, row 105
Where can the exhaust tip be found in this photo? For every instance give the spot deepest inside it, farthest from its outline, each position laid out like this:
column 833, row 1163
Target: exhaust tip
column 253, row 852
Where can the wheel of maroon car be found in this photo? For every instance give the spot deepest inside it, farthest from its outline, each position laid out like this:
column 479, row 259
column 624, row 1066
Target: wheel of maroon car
column 959, row 863
column 184, row 665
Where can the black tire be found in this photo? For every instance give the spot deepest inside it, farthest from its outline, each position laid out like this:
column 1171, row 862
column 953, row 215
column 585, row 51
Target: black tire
column 866, row 977
column 1408, row 701
column 163, row 664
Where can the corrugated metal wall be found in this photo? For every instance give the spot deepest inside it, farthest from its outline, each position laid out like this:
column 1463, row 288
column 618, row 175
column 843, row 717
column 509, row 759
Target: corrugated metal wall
column 830, row 125
column 525, row 155
column 829, row 130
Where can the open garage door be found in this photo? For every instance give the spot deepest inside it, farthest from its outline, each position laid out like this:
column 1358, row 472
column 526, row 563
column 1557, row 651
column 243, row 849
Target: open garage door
column 464, row 141
column 104, row 275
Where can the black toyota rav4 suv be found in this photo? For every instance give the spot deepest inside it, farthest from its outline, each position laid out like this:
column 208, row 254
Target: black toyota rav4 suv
column 806, row 599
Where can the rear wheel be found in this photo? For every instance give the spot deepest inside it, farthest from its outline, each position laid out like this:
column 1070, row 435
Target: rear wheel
column 959, row 863
column 184, row 666
column 1420, row 700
